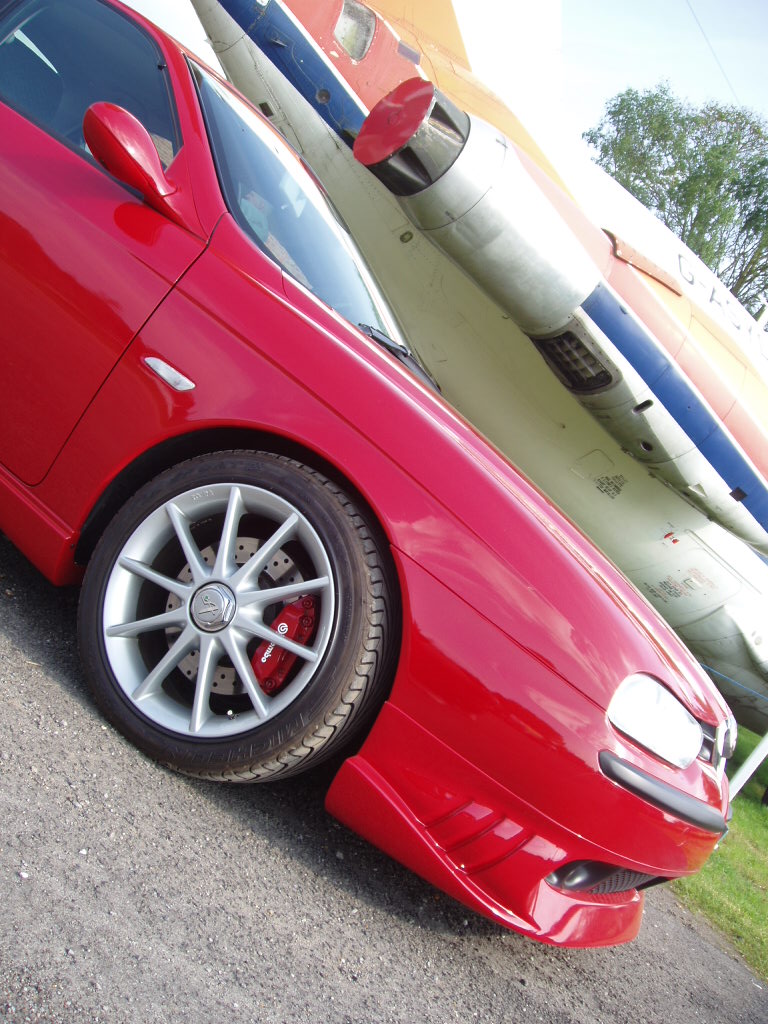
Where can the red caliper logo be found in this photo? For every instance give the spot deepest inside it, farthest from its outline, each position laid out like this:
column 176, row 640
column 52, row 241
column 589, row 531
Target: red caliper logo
column 271, row 662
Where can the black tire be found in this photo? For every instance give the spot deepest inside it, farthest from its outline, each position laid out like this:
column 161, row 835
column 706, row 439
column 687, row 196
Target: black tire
column 176, row 618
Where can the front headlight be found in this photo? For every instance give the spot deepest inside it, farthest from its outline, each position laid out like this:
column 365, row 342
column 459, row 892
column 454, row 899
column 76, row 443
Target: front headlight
column 649, row 714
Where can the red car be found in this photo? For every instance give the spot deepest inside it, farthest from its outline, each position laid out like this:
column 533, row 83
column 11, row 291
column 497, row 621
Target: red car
column 290, row 545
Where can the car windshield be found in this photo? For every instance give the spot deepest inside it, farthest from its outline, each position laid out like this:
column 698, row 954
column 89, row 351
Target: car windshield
column 281, row 207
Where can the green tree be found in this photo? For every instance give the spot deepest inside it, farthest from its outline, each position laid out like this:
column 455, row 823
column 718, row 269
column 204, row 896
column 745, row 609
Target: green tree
column 702, row 171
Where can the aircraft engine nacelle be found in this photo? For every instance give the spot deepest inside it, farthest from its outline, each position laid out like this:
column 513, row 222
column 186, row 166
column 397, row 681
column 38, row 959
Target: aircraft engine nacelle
column 464, row 185
column 575, row 291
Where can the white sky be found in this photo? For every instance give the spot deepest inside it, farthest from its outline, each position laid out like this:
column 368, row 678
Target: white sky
column 609, row 45
column 558, row 61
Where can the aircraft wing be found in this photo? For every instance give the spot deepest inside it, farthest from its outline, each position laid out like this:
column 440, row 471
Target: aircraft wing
column 430, row 21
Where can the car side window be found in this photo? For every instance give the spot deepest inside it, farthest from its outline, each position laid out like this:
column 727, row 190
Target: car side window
column 57, row 58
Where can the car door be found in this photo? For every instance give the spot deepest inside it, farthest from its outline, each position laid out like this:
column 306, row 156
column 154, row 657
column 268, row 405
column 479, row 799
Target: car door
column 83, row 260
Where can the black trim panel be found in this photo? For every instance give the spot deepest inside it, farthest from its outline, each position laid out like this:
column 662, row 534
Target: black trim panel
column 660, row 794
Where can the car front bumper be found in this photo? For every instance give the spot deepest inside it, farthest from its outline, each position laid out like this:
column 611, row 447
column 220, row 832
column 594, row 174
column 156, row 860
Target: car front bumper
column 505, row 787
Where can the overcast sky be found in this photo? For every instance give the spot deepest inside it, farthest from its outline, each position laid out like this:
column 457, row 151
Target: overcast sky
column 570, row 56
column 609, row 45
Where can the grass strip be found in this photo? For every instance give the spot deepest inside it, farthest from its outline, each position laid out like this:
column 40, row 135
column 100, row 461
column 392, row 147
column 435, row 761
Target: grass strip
column 732, row 888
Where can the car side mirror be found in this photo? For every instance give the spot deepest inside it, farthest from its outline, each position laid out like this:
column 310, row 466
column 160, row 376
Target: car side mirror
column 122, row 145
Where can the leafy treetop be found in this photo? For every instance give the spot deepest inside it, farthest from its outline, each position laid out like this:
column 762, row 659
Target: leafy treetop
column 703, row 172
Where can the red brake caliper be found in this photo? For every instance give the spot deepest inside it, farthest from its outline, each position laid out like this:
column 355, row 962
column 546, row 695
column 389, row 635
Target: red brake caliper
column 272, row 663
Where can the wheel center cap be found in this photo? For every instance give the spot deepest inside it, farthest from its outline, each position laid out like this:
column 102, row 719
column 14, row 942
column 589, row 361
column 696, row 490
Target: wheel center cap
column 213, row 607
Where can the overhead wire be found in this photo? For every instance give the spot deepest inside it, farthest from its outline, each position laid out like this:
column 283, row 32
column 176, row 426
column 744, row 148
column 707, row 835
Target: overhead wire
column 712, row 51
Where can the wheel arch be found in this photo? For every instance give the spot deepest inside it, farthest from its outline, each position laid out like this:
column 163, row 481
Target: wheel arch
column 204, row 442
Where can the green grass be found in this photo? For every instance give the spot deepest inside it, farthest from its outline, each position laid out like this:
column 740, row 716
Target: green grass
column 732, row 888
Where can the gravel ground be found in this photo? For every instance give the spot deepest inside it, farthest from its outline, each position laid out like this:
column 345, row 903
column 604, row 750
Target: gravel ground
column 130, row 894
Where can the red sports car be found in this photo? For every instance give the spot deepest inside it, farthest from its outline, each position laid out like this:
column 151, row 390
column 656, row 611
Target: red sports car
column 290, row 545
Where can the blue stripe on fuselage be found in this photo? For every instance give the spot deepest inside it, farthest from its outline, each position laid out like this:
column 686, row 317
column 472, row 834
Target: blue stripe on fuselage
column 679, row 397
column 296, row 55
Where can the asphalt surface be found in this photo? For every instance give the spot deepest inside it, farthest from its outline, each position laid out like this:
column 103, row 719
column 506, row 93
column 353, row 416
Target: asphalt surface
column 130, row 894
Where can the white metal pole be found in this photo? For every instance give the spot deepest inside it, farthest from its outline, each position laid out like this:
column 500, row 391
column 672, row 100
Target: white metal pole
column 750, row 766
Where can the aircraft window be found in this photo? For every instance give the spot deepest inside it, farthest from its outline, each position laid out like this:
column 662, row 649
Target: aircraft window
column 280, row 206
column 355, row 29
column 57, row 59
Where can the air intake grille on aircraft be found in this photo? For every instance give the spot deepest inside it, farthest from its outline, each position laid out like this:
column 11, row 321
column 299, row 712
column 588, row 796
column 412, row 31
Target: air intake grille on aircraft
column 579, row 369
